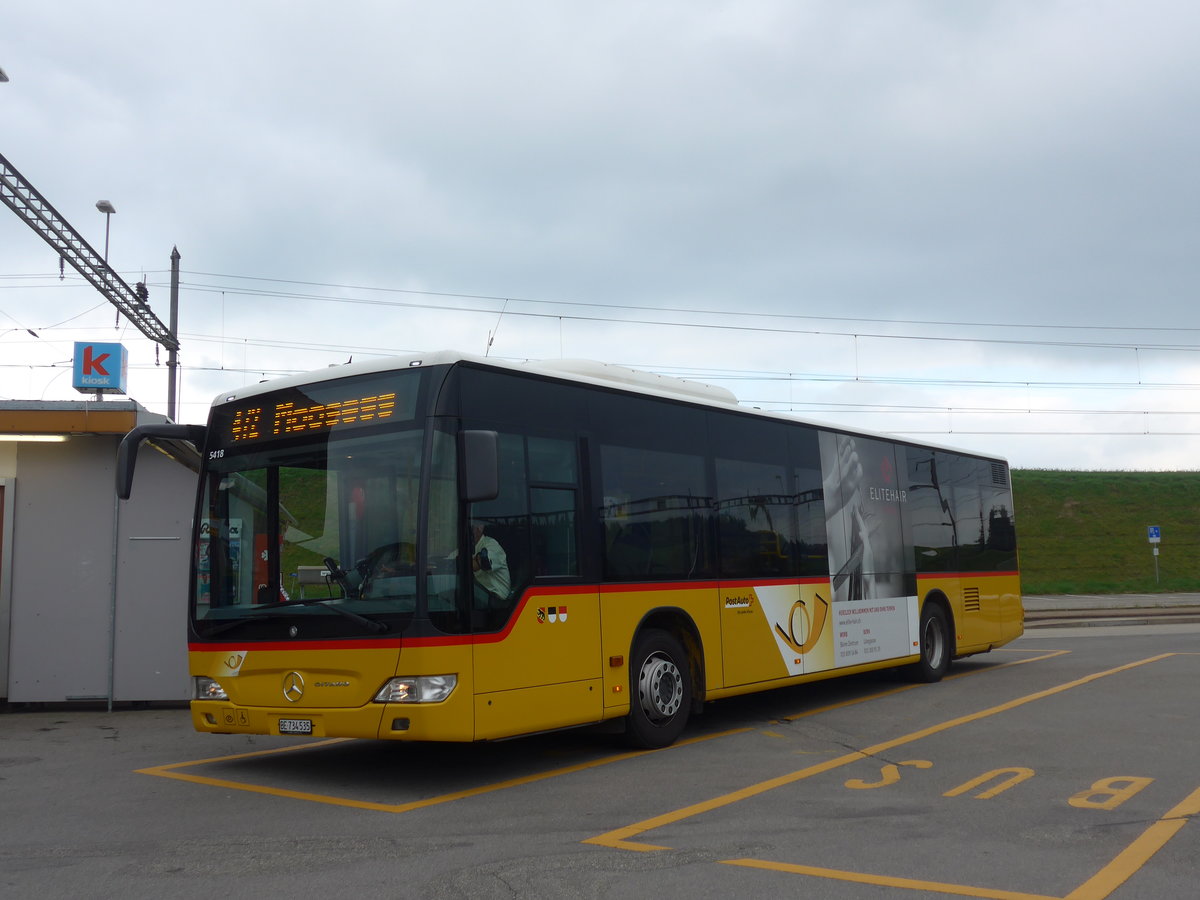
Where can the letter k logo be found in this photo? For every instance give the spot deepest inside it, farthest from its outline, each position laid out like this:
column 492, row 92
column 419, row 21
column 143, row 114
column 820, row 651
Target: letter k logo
column 94, row 365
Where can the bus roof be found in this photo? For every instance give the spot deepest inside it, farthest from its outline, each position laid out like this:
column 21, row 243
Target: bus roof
column 577, row 370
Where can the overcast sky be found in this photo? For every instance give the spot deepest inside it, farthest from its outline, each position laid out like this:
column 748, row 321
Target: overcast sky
column 974, row 223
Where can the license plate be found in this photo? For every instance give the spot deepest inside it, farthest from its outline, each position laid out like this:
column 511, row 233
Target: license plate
column 295, row 726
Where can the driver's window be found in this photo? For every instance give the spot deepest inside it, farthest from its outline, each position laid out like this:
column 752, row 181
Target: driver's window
column 498, row 542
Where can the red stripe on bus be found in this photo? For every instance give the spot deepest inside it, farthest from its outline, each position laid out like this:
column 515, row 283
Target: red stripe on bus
column 441, row 640
column 451, row 640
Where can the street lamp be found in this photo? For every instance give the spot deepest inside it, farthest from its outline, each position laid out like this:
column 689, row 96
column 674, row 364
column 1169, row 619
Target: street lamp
column 108, row 209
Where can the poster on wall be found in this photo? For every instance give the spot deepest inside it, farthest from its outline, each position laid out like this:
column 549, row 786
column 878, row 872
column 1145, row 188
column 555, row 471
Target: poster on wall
column 222, row 555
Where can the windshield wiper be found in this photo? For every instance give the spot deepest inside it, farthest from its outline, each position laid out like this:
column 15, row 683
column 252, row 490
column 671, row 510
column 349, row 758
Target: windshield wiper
column 372, row 625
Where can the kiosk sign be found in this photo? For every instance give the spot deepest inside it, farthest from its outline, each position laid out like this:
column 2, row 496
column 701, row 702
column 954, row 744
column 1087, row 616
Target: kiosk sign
column 100, row 368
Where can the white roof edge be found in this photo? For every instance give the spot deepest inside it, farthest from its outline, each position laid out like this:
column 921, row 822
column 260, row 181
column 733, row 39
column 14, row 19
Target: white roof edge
column 344, row 370
column 570, row 369
column 626, row 377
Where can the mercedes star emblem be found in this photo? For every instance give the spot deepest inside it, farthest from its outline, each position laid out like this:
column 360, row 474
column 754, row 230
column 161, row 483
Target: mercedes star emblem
column 293, row 687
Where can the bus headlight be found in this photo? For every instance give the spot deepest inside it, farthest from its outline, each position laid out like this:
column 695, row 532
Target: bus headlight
column 207, row 689
column 417, row 689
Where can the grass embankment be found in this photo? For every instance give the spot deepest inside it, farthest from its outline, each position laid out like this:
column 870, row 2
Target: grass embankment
column 1085, row 532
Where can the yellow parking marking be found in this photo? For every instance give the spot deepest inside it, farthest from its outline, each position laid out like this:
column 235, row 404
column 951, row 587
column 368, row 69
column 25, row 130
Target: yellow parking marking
column 1139, row 852
column 620, row 837
column 172, row 771
column 911, row 884
column 1036, row 656
column 1042, row 655
column 158, row 770
column 1098, row 887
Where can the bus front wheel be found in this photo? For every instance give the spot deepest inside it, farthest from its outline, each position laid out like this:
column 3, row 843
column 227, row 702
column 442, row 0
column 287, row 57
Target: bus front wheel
column 662, row 690
column 934, row 637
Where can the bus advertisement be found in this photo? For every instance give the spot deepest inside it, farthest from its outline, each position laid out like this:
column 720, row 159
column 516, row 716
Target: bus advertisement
column 446, row 548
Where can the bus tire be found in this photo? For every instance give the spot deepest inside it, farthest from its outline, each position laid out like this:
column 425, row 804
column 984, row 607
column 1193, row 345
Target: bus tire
column 661, row 690
column 934, row 641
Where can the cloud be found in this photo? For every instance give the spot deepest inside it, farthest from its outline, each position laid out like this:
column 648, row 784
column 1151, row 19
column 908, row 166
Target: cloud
column 1016, row 163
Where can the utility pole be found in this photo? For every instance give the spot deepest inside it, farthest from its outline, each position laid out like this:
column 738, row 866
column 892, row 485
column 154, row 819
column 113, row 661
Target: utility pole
column 173, row 352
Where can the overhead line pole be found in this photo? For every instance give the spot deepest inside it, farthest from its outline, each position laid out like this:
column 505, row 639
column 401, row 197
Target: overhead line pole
column 37, row 212
column 173, row 352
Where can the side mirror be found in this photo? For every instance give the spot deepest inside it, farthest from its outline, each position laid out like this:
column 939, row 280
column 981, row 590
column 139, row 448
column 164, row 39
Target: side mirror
column 127, row 451
column 479, row 465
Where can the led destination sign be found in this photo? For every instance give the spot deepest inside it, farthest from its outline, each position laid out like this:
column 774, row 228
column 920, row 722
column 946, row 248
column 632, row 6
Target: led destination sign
column 286, row 418
column 316, row 410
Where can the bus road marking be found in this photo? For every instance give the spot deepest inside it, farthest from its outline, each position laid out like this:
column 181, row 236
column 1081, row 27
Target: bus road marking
column 173, row 770
column 1099, row 886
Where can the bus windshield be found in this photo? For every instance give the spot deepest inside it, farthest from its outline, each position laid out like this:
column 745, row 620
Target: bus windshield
column 299, row 530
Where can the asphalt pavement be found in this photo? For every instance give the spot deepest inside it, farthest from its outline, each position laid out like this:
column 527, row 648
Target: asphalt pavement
column 1063, row 765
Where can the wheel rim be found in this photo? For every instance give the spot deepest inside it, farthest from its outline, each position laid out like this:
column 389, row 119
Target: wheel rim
column 934, row 643
column 660, row 688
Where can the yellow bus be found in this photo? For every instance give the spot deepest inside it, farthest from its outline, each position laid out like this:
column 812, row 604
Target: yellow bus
column 446, row 548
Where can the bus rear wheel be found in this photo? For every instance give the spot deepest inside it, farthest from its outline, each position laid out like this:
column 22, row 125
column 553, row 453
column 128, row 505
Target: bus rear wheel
column 662, row 687
column 934, row 638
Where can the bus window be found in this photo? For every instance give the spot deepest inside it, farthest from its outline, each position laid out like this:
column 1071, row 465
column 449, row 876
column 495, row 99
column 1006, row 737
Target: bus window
column 499, row 540
column 656, row 514
column 755, row 516
column 553, row 501
column 982, row 506
column 966, row 499
column 656, row 506
column 553, row 532
column 533, row 519
column 754, row 513
column 552, row 461
column 1001, row 531
column 930, row 512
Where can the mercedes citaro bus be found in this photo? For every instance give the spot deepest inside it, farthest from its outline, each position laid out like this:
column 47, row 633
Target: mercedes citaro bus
column 446, row 548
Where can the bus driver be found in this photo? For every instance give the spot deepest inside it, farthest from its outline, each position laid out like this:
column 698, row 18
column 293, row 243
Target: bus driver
column 489, row 563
